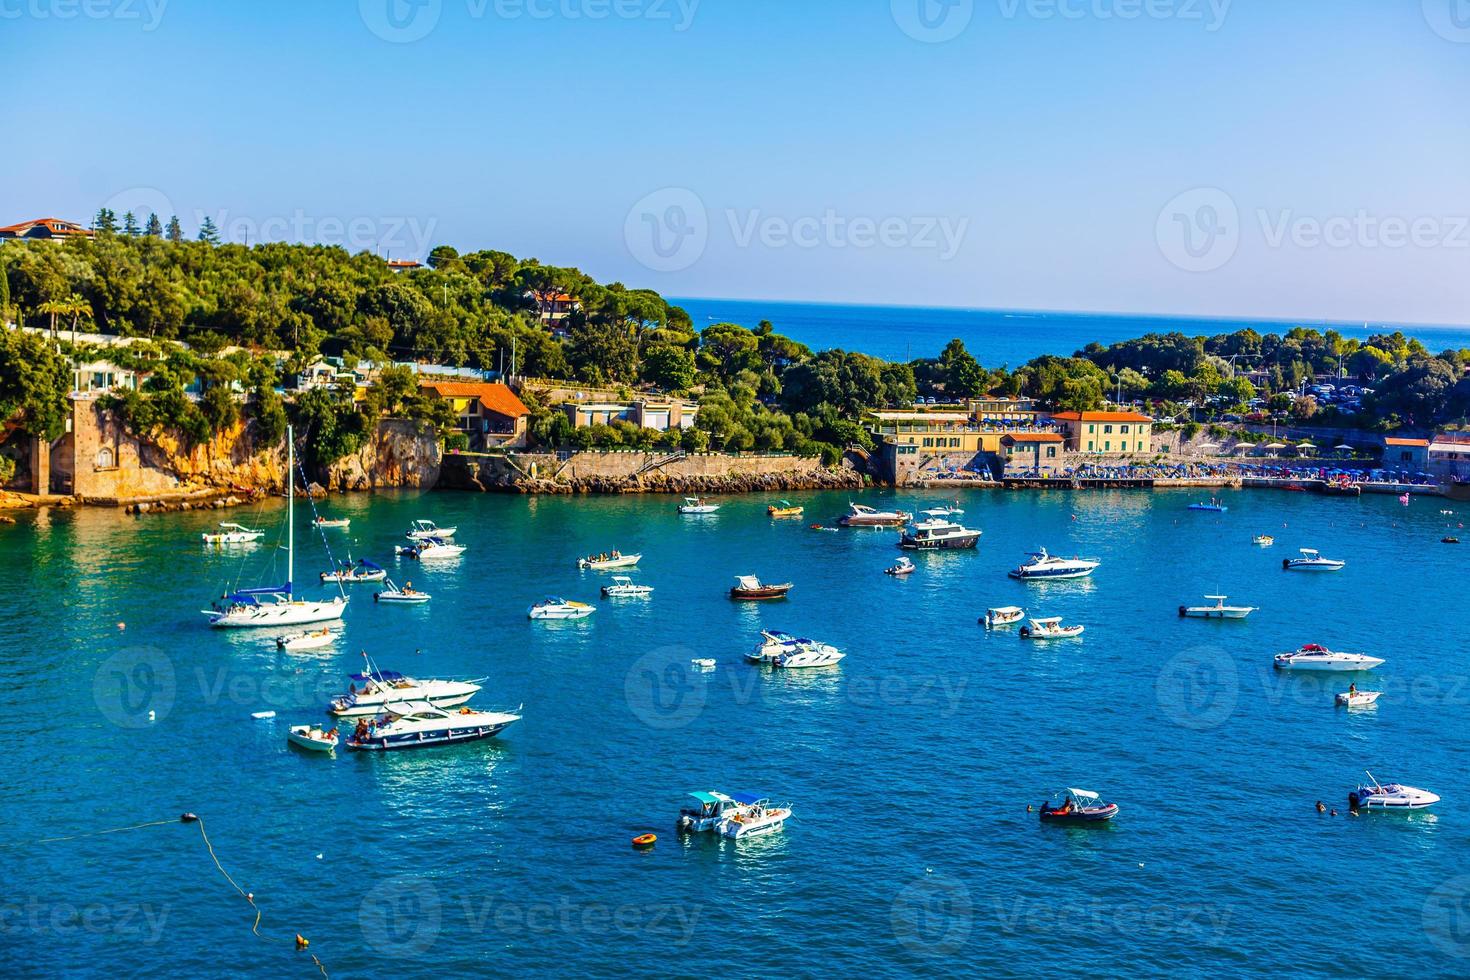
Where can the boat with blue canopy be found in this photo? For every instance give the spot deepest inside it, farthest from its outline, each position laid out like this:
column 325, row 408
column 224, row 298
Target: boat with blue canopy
column 361, row 570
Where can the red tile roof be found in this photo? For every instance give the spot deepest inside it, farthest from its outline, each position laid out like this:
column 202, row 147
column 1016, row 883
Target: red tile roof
column 1033, row 437
column 1406, row 442
column 55, row 226
column 1100, row 417
column 497, row 398
column 404, row 264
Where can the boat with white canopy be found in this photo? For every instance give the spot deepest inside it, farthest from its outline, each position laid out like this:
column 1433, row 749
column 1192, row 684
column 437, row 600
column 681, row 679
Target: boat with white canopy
column 407, row 595
column 1312, row 561
column 697, row 505
column 1049, row 628
column 1079, row 807
column 423, row 530
column 623, row 587
column 1216, row 611
column 230, row 533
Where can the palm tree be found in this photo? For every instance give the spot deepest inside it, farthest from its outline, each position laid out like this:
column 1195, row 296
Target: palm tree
column 53, row 307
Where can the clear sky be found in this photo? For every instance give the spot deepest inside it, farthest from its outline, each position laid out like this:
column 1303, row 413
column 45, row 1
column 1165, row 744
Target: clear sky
column 1258, row 157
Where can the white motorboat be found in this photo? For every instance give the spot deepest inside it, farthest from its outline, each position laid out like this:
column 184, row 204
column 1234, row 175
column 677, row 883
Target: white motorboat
column 423, row 530
column 406, row 595
column 761, row 818
column 383, row 687
column 704, row 663
column 232, row 534
column 905, row 566
column 1312, row 561
column 1049, row 628
column 713, row 810
column 1374, row 795
column 775, row 644
column 812, row 655
column 1218, row 611
column 1314, row 656
column 938, row 534
column 314, row 640
column 1003, row 616
column 361, row 571
column 861, row 515
column 608, row 561
column 1354, row 698
column 556, row 608
column 322, row 522
column 430, row 549
column 277, row 605
column 1046, row 566
column 312, row 738
column 1263, row 541
column 623, row 587
column 943, row 511
column 419, row 724
column 697, row 505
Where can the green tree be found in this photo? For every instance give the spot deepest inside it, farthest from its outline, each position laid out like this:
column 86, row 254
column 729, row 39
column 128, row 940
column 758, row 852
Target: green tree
column 34, row 383
column 175, row 231
column 154, row 228
column 105, row 222
column 670, row 368
column 208, row 233
column 130, row 225
column 963, row 376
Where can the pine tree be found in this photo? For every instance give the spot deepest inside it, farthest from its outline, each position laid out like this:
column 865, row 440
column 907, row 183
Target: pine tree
column 208, row 232
column 130, row 225
column 105, row 222
column 4, row 294
column 154, row 228
column 175, row 232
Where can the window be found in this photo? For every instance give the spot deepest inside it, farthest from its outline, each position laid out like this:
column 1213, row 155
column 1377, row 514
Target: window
column 929, row 442
column 1406, row 456
column 1091, row 429
column 1123, row 429
column 955, row 443
column 1051, row 452
column 104, row 459
column 1089, row 446
column 1140, row 447
column 1107, row 429
column 1108, row 446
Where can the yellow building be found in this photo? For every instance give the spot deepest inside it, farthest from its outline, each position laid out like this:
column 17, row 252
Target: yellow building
column 1107, row 433
column 938, row 431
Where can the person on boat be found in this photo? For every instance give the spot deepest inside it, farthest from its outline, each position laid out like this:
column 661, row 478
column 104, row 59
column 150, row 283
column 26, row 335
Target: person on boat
column 408, row 588
column 361, row 731
column 1353, row 690
column 1064, row 809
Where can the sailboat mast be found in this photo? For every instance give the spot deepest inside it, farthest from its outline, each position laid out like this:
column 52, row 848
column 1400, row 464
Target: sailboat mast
column 290, row 509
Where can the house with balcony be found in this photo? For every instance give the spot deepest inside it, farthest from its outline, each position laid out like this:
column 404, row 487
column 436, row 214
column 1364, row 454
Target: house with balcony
column 43, row 229
column 489, row 413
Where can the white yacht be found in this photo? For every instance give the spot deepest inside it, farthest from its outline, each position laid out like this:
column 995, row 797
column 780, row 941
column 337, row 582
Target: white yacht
column 431, row 549
column 697, row 505
column 1217, row 611
column 775, row 644
column 1314, row 656
column 423, row 530
column 419, row 724
column 861, row 515
column 1312, row 561
column 938, row 534
column 813, row 655
column 277, row 605
column 384, row 687
column 1374, row 795
column 232, row 534
column 1045, row 566
column 557, row 608
column 623, row 587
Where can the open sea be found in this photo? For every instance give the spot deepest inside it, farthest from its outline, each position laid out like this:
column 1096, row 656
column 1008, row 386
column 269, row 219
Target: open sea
column 1001, row 337
column 909, row 766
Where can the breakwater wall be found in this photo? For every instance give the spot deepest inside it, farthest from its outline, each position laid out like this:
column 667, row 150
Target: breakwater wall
column 641, row 472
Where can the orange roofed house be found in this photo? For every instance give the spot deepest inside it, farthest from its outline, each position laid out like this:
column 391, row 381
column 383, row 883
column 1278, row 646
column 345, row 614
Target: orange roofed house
column 45, row 228
column 1115, row 433
column 490, row 414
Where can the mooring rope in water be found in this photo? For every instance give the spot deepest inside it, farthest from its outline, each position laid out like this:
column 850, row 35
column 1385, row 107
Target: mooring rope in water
column 300, row 941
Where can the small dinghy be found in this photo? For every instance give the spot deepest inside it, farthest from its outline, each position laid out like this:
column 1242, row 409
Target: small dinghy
column 312, row 738
column 360, row 571
column 232, row 534
column 314, row 640
column 1354, row 698
column 407, row 595
column 343, row 522
column 904, row 567
column 1079, row 808
column 1050, row 628
column 697, row 505
column 1003, row 616
column 1263, row 541
column 784, row 508
column 749, row 587
column 703, row 663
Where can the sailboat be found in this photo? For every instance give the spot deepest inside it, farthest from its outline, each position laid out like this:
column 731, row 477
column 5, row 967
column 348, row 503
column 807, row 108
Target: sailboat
column 277, row 605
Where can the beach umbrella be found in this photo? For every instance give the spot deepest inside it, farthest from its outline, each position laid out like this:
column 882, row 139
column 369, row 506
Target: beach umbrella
column 1277, row 445
column 1344, row 447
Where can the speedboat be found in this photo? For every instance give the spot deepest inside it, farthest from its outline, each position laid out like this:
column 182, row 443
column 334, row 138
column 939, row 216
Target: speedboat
column 407, row 595
column 861, row 515
column 760, row 818
column 713, row 810
column 312, row 738
column 419, row 724
column 1050, row 628
column 1079, row 807
column 232, row 534
column 362, row 571
column 955, row 511
column 1218, row 611
column 751, row 587
column 1312, row 561
column 314, row 640
column 775, row 644
column 322, row 522
column 1003, row 616
column 430, row 549
column 608, row 560
column 938, row 534
column 555, row 608
column 784, row 508
column 424, row 530
column 624, row 588
column 1374, row 795
column 1354, row 698
column 904, row 567
column 811, row 655
column 384, row 687
column 1263, row 541
column 1045, row 566
column 1213, row 505
column 1314, row 656
column 697, row 505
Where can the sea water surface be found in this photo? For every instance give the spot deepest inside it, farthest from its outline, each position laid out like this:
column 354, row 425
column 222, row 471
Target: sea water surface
column 910, row 766
column 1003, row 337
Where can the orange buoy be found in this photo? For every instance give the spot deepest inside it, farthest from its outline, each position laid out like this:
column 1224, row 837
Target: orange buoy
column 647, row 840
column 301, row 941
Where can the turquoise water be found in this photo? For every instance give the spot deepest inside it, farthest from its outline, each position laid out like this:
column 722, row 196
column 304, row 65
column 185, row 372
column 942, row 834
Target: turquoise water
column 1001, row 337
column 910, row 765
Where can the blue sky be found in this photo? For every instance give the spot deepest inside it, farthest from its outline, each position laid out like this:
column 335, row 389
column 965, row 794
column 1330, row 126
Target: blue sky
column 1169, row 156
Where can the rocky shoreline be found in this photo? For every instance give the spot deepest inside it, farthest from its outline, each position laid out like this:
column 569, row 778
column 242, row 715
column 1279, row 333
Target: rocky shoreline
column 658, row 483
